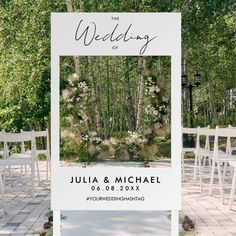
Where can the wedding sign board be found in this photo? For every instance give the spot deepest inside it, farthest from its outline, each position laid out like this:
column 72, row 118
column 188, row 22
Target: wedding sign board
column 116, row 34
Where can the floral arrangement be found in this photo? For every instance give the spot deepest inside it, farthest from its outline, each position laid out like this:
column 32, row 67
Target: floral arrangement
column 134, row 143
column 92, row 138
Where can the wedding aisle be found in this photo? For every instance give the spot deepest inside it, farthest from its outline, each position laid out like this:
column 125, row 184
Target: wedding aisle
column 115, row 223
column 24, row 215
column 211, row 217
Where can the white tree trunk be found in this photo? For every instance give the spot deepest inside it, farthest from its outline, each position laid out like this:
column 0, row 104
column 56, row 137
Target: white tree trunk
column 140, row 94
column 94, row 94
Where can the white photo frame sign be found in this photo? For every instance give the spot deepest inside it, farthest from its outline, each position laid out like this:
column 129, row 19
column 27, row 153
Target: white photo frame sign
column 117, row 34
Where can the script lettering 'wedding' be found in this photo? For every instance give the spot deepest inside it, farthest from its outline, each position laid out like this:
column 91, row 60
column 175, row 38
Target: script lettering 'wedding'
column 89, row 34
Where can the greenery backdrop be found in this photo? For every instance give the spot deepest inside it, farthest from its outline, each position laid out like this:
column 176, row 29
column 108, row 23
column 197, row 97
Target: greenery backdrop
column 114, row 107
column 209, row 46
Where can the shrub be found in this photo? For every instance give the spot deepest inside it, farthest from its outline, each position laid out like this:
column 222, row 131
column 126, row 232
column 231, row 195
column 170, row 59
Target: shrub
column 87, row 156
column 121, row 153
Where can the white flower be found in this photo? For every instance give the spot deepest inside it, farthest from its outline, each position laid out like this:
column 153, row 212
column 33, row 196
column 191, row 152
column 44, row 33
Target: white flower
column 73, row 78
column 84, row 117
column 83, row 86
column 105, row 142
column 113, row 141
column 70, row 119
column 135, row 137
column 157, row 89
column 153, row 89
column 94, row 133
column 97, row 139
column 155, row 112
column 75, row 75
column 66, row 94
column 165, row 99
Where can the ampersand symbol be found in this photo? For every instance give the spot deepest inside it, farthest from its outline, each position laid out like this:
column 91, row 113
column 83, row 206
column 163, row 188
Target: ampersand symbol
column 106, row 180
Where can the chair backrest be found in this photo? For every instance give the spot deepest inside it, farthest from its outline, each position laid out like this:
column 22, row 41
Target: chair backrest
column 223, row 133
column 17, row 138
column 226, row 132
column 206, row 132
column 228, row 145
column 189, row 130
column 37, row 134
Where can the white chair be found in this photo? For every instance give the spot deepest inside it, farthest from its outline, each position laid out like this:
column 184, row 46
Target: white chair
column 21, row 155
column 230, row 149
column 202, row 152
column 188, row 131
column 2, row 150
column 45, row 152
column 220, row 157
column 2, row 193
column 7, row 138
column 233, row 187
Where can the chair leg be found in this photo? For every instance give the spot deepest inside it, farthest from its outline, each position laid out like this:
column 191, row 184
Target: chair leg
column 209, row 162
column 33, row 179
column 224, row 172
column 231, row 171
column 232, row 190
column 48, row 167
column 182, row 158
column 195, row 169
column 204, row 161
column 212, row 177
column 3, row 194
column 49, row 164
column 37, row 167
column 220, row 181
column 21, row 171
column 4, row 177
column 10, row 174
column 200, row 173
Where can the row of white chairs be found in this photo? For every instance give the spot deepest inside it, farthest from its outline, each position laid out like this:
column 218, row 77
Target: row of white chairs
column 24, row 158
column 215, row 156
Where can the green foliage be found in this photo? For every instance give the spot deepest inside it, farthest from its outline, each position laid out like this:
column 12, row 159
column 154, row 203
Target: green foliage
column 86, row 155
column 48, row 214
column 120, row 134
column 209, row 46
column 134, row 147
column 105, row 92
column 25, row 63
column 121, row 153
column 164, row 148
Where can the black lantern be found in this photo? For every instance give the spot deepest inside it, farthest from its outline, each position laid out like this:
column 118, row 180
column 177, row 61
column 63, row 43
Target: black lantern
column 197, row 80
column 188, row 85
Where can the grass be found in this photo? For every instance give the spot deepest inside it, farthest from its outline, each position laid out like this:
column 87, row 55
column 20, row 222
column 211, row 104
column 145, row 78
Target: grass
column 189, row 233
column 45, row 232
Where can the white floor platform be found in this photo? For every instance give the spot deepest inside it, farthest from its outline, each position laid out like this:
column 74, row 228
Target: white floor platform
column 115, row 223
